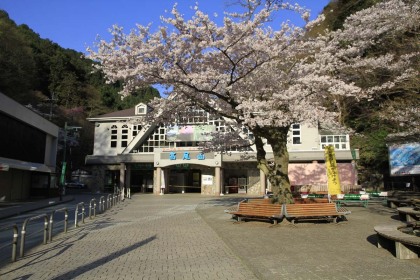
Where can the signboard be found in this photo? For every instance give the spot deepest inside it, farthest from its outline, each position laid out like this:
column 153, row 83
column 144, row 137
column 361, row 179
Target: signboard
column 207, row 180
column 332, row 171
column 190, row 133
column 404, row 159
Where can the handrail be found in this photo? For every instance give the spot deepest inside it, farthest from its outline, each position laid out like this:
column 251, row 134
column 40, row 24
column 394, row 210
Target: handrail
column 76, row 213
column 102, row 204
column 111, row 200
column 93, row 200
column 23, row 232
column 14, row 240
column 66, row 219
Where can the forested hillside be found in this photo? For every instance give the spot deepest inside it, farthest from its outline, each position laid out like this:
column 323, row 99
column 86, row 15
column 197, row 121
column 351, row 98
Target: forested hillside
column 33, row 69
column 394, row 117
column 57, row 83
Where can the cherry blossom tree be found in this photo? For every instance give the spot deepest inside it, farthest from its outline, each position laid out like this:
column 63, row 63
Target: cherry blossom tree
column 258, row 76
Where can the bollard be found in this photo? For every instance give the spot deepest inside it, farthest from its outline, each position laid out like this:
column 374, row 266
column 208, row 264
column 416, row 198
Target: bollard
column 23, row 232
column 66, row 218
column 76, row 213
column 93, row 200
column 14, row 242
column 109, row 201
column 14, row 239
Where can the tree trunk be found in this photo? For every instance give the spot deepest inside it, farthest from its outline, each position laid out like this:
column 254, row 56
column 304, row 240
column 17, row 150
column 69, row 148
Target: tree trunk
column 275, row 169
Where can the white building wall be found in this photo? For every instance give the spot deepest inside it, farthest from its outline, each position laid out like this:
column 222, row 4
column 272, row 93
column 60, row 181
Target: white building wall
column 309, row 137
column 102, row 145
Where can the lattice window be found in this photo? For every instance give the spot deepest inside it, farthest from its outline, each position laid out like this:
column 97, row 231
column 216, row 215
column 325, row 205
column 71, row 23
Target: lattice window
column 114, row 136
column 124, row 136
column 156, row 140
column 340, row 142
column 296, row 140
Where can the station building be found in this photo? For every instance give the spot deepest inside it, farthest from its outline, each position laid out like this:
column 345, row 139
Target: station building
column 28, row 151
column 167, row 159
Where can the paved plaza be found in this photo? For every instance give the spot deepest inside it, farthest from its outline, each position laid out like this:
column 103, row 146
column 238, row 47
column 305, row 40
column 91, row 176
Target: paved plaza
column 188, row 236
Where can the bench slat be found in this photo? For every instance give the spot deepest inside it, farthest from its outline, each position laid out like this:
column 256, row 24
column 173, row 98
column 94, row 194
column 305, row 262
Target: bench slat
column 314, row 211
column 260, row 210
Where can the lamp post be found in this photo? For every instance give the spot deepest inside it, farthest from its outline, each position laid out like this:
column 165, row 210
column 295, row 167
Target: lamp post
column 64, row 164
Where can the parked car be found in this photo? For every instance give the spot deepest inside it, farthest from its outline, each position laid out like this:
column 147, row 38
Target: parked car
column 76, row 185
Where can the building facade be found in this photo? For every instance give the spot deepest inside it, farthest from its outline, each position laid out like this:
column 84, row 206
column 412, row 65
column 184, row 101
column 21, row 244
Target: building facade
column 167, row 159
column 28, row 151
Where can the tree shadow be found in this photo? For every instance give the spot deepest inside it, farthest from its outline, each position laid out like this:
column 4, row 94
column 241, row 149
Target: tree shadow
column 89, row 266
column 225, row 201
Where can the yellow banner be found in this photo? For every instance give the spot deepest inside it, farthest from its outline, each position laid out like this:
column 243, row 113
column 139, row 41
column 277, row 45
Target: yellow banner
column 332, row 171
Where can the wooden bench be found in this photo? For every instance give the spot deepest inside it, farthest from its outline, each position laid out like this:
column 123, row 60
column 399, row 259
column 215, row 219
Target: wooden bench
column 314, row 211
column 409, row 214
column 406, row 246
column 263, row 211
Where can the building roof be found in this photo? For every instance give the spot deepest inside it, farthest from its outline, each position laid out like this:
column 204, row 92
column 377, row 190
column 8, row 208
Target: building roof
column 119, row 114
column 12, row 108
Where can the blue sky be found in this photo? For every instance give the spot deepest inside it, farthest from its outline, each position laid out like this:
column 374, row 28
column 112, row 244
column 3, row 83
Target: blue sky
column 75, row 24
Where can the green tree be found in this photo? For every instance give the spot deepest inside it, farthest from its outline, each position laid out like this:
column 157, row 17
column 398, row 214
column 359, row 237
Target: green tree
column 16, row 59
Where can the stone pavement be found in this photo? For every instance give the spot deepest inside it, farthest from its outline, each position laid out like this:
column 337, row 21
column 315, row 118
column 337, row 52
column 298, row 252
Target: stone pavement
column 188, row 236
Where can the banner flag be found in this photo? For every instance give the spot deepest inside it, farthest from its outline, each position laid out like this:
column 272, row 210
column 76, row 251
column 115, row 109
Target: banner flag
column 332, row 171
column 63, row 174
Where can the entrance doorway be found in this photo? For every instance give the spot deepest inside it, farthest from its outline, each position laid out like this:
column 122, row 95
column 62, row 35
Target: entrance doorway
column 185, row 181
column 141, row 181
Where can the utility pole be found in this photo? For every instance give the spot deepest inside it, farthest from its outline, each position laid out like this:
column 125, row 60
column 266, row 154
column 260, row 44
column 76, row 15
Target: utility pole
column 51, row 100
column 64, row 163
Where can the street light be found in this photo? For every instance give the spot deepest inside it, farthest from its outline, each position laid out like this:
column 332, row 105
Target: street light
column 63, row 168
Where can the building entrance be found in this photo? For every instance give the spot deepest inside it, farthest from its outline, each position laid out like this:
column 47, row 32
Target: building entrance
column 141, row 181
column 185, row 181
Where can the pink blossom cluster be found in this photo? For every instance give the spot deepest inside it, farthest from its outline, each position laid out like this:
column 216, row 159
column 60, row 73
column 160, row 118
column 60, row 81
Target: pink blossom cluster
column 256, row 75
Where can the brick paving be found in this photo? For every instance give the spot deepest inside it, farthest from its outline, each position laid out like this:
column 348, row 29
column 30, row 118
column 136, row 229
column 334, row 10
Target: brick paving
column 147, row 237
column 190, row 237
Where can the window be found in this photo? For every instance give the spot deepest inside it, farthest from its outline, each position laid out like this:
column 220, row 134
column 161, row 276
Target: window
column 124, row 136
column 141, row 111
column 136, row 129
column 339, row 142
column 158, row 138
column 114, row 136
column 296, row 134
column 155, row 140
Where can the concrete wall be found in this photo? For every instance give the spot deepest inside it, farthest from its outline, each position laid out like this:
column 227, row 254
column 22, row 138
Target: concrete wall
column 15, row 185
